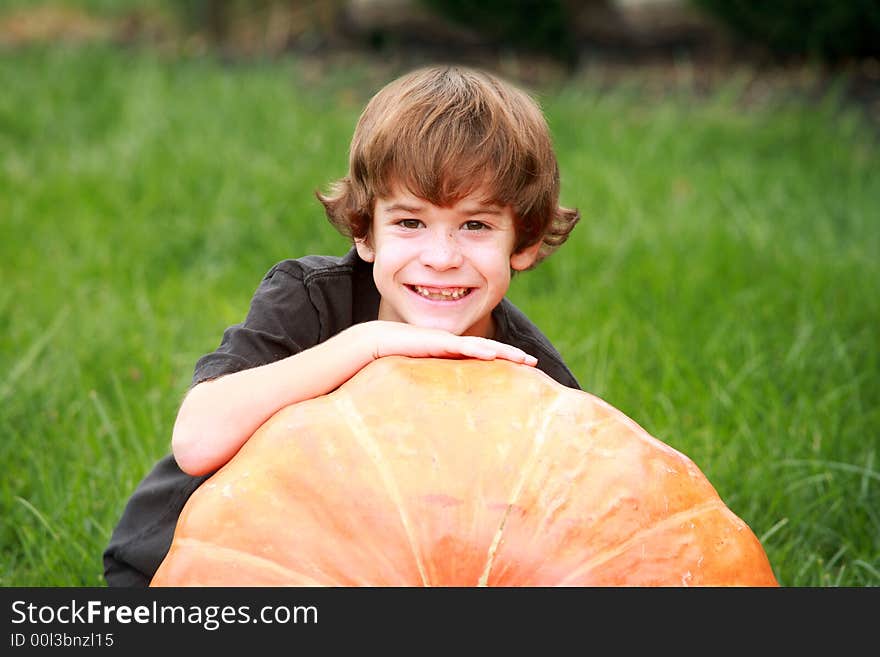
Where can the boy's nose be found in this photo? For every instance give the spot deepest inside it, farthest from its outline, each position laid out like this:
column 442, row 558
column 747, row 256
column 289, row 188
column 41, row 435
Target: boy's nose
column 443, row 252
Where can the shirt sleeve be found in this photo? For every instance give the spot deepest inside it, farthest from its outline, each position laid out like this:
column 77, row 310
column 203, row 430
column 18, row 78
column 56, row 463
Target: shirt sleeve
column 281, row 321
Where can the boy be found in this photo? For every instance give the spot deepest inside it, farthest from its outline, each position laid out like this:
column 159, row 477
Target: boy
column 452, row 186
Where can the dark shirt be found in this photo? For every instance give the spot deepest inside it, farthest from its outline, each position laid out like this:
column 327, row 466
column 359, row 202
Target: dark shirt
column 298, row 304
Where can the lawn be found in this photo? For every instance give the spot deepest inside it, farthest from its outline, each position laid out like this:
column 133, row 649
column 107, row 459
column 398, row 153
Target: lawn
column 722, row 288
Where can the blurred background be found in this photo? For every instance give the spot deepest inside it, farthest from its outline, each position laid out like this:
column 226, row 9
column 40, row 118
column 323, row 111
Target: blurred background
column 693, row 42
column 722, row 289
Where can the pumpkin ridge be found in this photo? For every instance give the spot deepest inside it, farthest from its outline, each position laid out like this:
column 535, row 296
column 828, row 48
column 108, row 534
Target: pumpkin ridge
column 342, row 400
column 676, row 518
column 594, row 426
column 549, row 414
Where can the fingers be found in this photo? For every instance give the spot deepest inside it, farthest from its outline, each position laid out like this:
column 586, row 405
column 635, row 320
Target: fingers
column 393, row 338
column 486, row 349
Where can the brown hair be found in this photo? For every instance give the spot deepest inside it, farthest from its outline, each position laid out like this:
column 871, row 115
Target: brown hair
column 442, row 132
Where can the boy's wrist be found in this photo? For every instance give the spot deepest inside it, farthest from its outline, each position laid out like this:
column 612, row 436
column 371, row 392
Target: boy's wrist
column 360, row 343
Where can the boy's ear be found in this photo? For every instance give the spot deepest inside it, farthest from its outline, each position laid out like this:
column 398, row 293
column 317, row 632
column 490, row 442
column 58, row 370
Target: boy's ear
column 365, row 251
column 525, row 258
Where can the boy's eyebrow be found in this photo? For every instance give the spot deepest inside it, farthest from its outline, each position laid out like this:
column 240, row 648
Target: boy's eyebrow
column 411, row 207
column 406, row 207
column 483, row 209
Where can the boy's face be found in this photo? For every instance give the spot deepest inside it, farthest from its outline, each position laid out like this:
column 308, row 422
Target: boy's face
column 443, row 268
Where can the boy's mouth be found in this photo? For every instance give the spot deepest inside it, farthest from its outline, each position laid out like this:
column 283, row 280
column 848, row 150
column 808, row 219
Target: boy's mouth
column 441, row 293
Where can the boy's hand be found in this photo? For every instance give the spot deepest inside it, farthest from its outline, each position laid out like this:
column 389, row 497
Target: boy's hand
column 388, row 338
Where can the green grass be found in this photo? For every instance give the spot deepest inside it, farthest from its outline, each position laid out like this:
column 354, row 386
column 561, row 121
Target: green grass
column 722, row 289
column 90, row 7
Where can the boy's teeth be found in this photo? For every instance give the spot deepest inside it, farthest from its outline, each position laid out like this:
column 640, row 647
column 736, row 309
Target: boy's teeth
column 444, row 293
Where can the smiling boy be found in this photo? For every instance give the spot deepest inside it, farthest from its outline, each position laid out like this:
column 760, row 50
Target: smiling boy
column 443, row 267
column 452, row 187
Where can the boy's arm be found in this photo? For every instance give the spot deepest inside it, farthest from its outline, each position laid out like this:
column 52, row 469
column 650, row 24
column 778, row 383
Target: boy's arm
column 218, row 416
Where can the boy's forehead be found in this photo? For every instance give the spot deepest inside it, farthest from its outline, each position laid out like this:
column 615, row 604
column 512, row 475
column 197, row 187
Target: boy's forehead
column 401, row 196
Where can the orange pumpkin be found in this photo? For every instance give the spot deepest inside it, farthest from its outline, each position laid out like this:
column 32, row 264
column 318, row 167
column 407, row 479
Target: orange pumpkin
column 432, row 472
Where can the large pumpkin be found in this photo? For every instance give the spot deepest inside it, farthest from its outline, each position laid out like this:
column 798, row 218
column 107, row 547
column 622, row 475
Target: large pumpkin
column 431, row 472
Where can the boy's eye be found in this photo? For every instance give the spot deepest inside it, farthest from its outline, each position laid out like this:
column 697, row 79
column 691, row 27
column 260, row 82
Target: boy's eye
column 410, row 223
column 475, row 225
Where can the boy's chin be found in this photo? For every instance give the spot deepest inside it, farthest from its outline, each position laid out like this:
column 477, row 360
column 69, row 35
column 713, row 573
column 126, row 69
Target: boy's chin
column 450, row 326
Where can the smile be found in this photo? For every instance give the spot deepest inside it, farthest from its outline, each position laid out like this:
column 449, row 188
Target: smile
column 441, row 293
